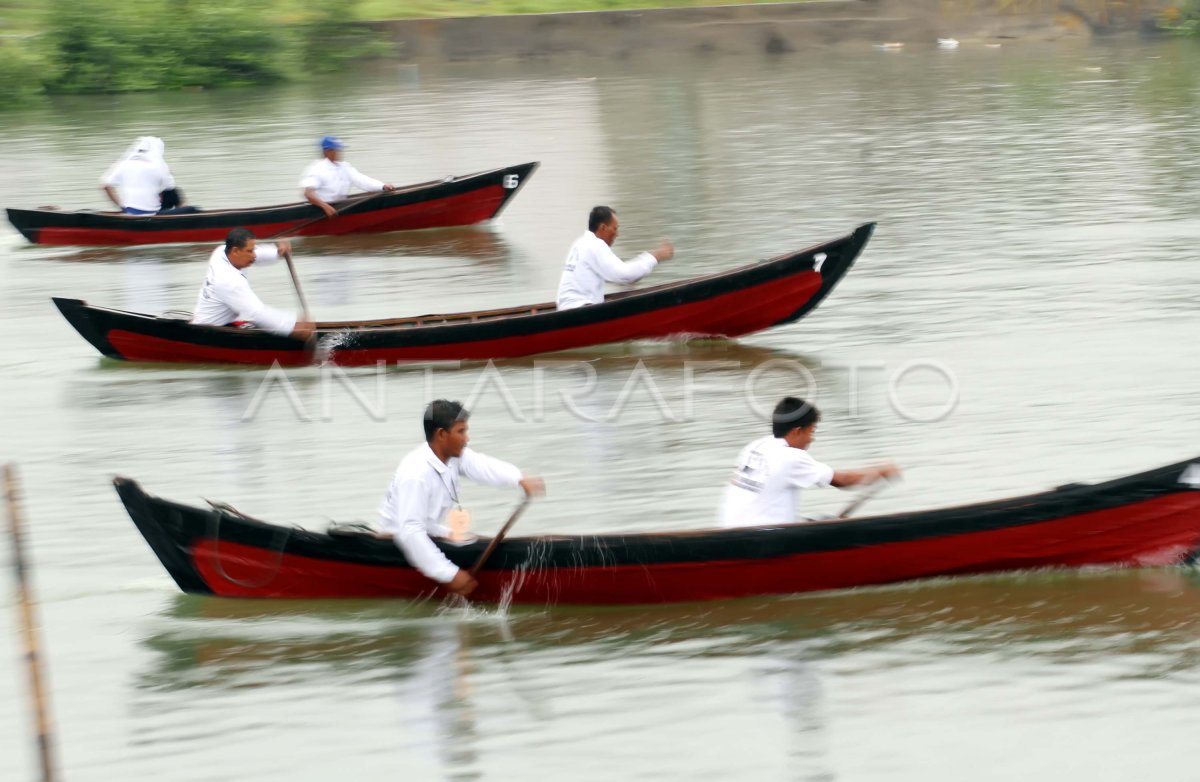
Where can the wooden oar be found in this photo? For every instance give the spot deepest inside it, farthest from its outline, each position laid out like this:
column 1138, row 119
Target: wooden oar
column 349, row 202
column 487, row 552
column 866, row 494
column 310, row 344
column 287, row 256
column 41, row 704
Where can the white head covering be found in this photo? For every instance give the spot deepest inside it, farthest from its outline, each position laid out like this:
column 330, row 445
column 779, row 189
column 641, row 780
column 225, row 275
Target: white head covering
column 149, row 148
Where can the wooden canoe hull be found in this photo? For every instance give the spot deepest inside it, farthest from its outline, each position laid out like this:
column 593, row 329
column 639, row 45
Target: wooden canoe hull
column 1149, row 519
column 729, row 304
column 464, row 200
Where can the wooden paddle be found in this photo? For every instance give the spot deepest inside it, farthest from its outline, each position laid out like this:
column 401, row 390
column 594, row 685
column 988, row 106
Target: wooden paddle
column 41, row 704
column 349, row 202
column 866, row 494
column 310, row 344
column 287, row 256
column 487, row 552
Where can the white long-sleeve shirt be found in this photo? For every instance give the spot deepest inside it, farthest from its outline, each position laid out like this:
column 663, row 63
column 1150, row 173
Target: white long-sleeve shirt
column 590, row 263
column 226, row 295
column 422, row 491
column 766, row 482
column 139, row 181
column 332, row 181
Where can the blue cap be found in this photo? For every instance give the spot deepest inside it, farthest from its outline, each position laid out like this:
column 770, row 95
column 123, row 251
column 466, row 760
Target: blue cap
column 331, row 142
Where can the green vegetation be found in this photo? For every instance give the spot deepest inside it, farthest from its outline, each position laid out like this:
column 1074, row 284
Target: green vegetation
column 21, row 73
column 102, row 46
column 90, row 46
column 408, row 9
column 1183, row 19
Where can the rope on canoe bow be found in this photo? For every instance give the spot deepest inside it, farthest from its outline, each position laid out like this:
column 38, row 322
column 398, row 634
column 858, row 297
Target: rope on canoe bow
column 278, row 544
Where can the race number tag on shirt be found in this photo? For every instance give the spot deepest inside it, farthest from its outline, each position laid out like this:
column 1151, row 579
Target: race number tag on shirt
column 459, row 522
column 751, row 475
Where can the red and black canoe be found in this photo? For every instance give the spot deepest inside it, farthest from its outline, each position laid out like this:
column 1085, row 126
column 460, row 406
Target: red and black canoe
column 463, row 200
column 1149, row 519
column 727, row 304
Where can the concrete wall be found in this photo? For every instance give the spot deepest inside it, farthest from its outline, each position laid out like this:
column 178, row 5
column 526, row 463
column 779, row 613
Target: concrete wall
column 774, row 28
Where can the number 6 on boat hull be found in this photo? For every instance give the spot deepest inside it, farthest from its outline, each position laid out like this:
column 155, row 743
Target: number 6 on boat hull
column 453, row 201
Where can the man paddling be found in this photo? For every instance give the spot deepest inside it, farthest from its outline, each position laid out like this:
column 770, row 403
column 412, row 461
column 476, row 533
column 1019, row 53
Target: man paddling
column 591, row 262
column 764, row 486
column 226, row 296
column 135, row 183
column 426, row 485
column 330, row 178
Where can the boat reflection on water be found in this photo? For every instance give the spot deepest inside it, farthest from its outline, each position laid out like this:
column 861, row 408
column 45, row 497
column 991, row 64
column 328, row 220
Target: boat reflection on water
column 566, row 679
column 612, row 362
column 670, row 354
column 138, row 256
column 479, row 243
column 668, row 361
column 1086, row 612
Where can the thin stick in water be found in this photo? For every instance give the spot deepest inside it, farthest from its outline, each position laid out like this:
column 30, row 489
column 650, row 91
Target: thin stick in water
column 41, row 703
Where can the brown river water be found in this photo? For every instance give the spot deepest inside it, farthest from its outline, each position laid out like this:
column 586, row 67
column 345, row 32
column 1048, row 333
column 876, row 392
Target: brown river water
column 1025, row 316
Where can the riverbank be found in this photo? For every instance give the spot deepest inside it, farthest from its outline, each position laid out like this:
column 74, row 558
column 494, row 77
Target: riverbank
column 769, row 28
column 95, row 46
column 91, row 46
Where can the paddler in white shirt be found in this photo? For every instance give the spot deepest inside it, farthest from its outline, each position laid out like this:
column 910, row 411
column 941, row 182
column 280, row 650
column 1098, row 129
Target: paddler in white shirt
column 226, row 296
column 425, row 491
column 770, row 471
column 135, row 182
column 591, row 262
column 330, row 178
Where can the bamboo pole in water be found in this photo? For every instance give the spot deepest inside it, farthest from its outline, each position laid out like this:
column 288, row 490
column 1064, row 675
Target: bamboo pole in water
column 41, row 704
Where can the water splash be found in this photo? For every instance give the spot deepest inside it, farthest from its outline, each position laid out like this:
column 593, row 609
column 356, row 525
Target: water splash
column 329, row 344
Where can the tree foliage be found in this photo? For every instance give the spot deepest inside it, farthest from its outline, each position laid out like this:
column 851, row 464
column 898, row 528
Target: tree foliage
column 100, row 46
column 1183, row 19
